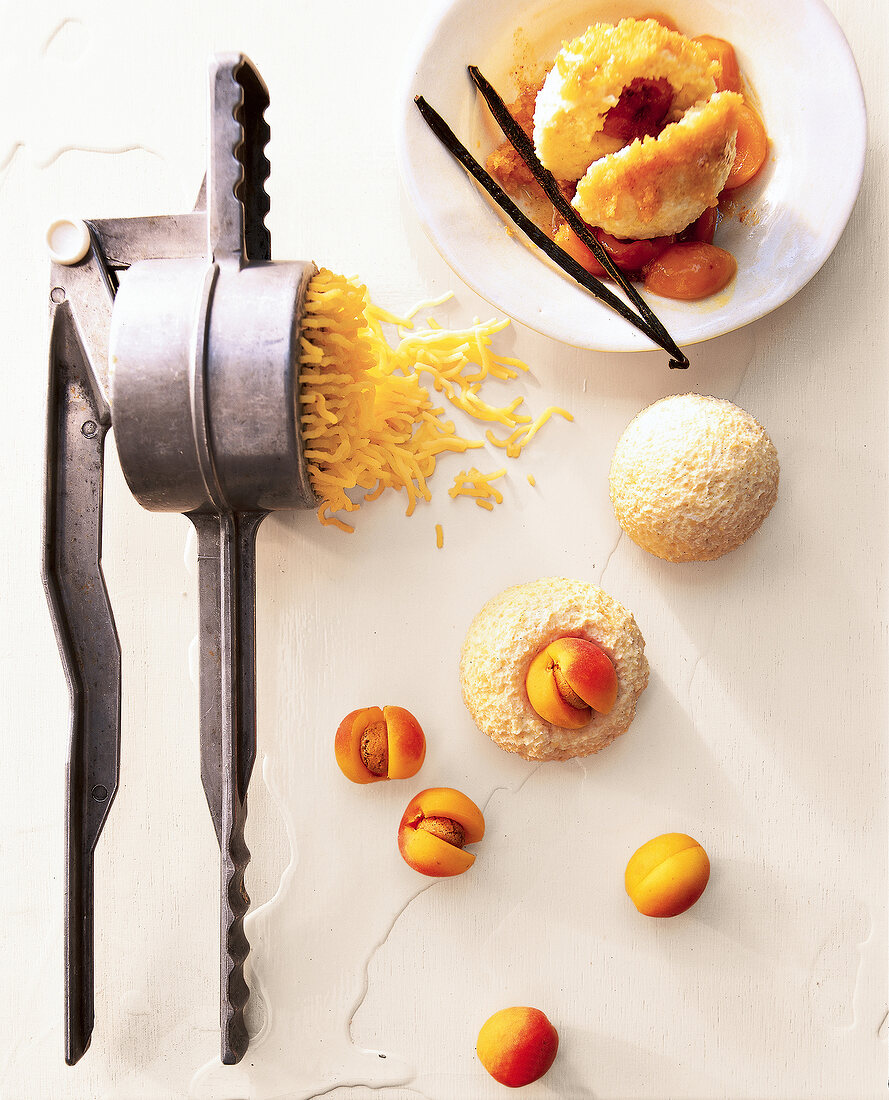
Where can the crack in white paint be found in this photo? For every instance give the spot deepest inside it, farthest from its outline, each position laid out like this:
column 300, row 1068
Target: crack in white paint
column 257, row 989
column 11, row 155
column 362, row 996
column 110, row 150
column 59, row 29
column 610, row 555
column 258, row 993
column 741, row 380
column 691, row 680
column 17, row 148
column 832, row 958
column 362, row 1084
column 512, row 790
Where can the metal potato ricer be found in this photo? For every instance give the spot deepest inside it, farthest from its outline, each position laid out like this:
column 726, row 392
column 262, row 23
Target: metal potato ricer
column 184, row 335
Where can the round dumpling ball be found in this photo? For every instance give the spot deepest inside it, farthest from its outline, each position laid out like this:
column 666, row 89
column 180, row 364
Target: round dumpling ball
column 693, row 477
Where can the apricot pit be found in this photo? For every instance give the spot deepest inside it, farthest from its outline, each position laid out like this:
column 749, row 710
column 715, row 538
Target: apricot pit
column 373, row 743
column 434, row 829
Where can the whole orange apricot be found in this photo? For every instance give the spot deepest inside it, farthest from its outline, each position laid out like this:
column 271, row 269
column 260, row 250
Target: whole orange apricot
column 667, row 875
column 434, row 829
column 373, row 744
column 517, row 1046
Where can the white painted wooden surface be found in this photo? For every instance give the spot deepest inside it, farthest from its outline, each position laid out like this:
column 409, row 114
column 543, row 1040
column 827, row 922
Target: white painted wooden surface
column 762, row 732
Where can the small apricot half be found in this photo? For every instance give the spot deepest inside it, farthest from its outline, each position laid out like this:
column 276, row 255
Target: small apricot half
column 373, row 744
column 751, row 148
column 667, row 875
column 434, row 828
column 729, row 78
column 517, row 1046
column 690, row 270
column 569, row 242
column 568, row 680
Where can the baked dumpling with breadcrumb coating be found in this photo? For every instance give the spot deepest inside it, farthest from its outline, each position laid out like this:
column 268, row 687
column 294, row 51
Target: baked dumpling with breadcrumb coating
column 692, row 477
column 659, row 185
column 656, row 184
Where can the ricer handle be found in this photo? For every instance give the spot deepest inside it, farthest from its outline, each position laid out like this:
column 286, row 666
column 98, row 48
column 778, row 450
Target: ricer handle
column 237, row 202
column 227, row 667
column 78, row 420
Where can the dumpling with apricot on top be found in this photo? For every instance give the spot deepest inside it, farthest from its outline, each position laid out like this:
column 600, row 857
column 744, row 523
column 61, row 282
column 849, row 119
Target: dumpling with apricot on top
column 553, row 669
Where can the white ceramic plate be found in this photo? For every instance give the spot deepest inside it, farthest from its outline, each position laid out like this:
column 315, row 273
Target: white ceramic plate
column 792, row 53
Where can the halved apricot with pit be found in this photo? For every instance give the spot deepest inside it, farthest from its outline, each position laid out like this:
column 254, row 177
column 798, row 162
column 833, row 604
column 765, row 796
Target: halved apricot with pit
column 434, row 828
column 568, row 680
column 373, row 744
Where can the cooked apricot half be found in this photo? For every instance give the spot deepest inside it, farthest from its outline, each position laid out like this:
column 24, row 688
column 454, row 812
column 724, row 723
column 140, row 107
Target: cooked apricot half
column 751, row 148
column 434, row 828
column 568, row 680
column 373, row 744
column 690, row 270
column 729, row 78
column 569, row 242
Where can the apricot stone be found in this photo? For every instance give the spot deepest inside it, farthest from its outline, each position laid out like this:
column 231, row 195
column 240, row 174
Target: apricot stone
column 568, row 680
column 517, row 1046
column 375, row 749
column 445, row 829
column 436, row 825
column 373, row 744
column 667, row 875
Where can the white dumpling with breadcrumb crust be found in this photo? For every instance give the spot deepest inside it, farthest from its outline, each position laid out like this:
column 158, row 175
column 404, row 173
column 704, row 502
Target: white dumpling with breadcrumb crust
column 692, row 477
column 506, row 636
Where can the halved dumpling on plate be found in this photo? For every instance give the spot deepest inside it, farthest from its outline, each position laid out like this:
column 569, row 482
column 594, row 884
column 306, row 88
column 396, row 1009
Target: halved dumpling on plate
column 630, row 112
column 591, row 73
column 659, row 185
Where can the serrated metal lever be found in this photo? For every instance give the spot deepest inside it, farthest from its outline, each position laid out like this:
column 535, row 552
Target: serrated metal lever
column 238, row 167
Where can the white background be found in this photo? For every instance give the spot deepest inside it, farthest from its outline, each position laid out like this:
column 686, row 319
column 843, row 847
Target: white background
column 762, row 732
